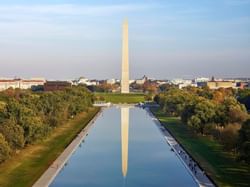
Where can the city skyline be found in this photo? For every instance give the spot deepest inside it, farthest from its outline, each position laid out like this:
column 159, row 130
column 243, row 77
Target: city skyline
column 68, row 39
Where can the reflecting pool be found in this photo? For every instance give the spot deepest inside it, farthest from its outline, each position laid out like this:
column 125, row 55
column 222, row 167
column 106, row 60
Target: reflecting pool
column 124, row 148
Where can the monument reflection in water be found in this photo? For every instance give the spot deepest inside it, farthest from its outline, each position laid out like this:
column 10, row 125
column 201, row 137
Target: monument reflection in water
column 124, row 139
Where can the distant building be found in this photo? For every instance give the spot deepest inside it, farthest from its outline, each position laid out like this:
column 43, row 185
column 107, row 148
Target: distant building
column 183, row 85
column 56, row 85
column 160, row 82
column 181, row 81
column 241, row 85
column 94, row 82
column 131, row 81
column 20, row 83
column 201, row 84
column 111, row 81
column 220, row 84
column 142, row 80
column 201, row 79
column 83, row 80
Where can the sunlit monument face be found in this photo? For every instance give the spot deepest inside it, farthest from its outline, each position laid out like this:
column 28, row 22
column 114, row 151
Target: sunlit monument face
column 125, row 59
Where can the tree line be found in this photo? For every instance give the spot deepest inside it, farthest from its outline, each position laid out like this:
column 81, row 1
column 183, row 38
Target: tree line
column 27, row 117
column 221, row 114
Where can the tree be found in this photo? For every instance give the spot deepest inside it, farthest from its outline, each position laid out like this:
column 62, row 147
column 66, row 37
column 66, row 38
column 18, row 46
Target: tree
column 166, row 87
column 205, row 92
column 187, row 113
column 149, row 87
column 2, row 109
column 244, row 141
column 234, row 111
column 174, row 101
column 229, row 136
column 26, row 117
column 34, row 128
column 13, row 134
column 203, row 113
column 4, row 149
column 218, row 96
column 244, row 97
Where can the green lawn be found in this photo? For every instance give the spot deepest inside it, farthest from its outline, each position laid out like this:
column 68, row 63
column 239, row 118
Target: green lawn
column 220, row 166
column 122, row 98
column 25, row 168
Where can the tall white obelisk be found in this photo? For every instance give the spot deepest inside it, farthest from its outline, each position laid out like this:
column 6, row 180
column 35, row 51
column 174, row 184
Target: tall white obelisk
column 125, row 59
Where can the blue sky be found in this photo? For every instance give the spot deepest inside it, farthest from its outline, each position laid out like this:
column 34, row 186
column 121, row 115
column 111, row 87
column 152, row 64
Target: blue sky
column 167, row 38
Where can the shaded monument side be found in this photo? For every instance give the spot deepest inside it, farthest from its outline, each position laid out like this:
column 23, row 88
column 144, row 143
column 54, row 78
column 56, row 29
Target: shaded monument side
column 125, row 59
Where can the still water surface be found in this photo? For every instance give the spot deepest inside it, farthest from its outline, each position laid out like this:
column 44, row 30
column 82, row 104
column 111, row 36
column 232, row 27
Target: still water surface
column 124, row 148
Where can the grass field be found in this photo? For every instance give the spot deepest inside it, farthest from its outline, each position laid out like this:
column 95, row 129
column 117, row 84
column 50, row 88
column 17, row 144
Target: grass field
column 220, row 166
column 122, row 98
column 25, row 168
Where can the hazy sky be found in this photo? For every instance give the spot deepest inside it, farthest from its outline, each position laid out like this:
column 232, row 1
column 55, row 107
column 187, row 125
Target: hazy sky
column 60, row 39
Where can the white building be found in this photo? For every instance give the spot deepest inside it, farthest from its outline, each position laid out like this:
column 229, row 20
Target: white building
column 83, row 80
column 176, row 81
column 181, row 81
column 160, row 82
column 131, row 81
column 142, row 80
column 201, row 79
column 111, row 81
column 20, row 83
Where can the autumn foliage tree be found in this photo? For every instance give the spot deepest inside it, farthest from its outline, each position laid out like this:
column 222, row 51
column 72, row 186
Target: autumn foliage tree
column 27, row 117
column 216, row 113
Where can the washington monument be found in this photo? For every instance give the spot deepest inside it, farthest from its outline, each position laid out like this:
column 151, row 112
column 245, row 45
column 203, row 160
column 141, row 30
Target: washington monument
column 125, row 59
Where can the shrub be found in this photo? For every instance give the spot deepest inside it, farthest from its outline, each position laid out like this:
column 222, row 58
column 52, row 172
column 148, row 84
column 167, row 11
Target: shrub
column 4, row 149
column 244, row 141
column 229, row 136
column 13, row 133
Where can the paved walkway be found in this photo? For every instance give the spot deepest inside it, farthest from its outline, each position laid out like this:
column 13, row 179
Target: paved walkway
column 49, row 175
column 195, row 171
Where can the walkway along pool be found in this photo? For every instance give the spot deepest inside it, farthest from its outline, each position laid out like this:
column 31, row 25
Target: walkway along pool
column 124, row 148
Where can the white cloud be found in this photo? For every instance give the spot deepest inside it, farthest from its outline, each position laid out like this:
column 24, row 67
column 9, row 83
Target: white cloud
column 28, row 21
column 72, row 9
